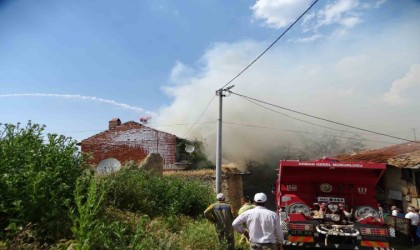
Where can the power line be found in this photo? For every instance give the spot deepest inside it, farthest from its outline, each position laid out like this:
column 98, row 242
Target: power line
column 402, row 132
column 304, row 132
column 181, row 124
column 323, row 119
column 315, row 124
column 202, row 113
column 271, row 45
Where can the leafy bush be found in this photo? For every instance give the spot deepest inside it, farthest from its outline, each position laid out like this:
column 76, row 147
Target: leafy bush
column 37, row 177
column 88, row 197
column 197, row 158
column 139, row 191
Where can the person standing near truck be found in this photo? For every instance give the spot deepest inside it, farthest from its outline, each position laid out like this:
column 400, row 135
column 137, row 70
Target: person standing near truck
column 263, row 225
column 246, row 205
column 220, row 213
column 414, row 221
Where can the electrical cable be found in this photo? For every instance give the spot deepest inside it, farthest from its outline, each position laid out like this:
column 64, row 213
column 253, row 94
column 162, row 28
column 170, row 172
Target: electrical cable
column 315, row 124
column 181, row 124
column 323, row 119
column 202, row 113
column 271, row 45
column 304, row 132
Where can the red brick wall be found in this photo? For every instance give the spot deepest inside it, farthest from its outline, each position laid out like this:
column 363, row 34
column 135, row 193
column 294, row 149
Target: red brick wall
column 130, row 142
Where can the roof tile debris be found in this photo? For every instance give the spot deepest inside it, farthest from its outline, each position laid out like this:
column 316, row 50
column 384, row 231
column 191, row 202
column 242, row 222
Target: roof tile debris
column 405, row 155
column 409, row 160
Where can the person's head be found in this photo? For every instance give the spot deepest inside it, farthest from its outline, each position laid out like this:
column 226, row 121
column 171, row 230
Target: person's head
column 410, row 209
column 245, row 200
column 260, row 199
column 393, row 208
column 220, row 197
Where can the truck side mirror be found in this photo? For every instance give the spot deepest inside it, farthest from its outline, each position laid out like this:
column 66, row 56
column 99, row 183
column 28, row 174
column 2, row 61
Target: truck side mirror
column 273, row 188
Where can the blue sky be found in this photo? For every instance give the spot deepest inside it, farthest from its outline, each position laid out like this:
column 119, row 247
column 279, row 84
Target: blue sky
column 74, row 65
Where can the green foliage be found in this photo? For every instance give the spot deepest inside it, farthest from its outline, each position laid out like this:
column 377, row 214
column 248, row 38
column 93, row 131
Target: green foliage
column 116, row 234
column 142, row 192
column 176, row 233
column 88, row 197
column 199, row 234
column 37, row 177
column 112, row 230
column 197, row 158
column 47, row 195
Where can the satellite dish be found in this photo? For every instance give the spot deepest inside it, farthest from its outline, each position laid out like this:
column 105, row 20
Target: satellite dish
column 108, row 166
column 190, row 148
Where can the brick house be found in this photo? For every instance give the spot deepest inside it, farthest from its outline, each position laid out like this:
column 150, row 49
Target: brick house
column 132, row 141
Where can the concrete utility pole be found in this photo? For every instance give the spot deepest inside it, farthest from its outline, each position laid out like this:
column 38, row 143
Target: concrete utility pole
column 414, row 131
column 218, row 183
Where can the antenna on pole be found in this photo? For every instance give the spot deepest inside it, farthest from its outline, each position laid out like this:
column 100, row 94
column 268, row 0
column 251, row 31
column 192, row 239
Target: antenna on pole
column 220, row 93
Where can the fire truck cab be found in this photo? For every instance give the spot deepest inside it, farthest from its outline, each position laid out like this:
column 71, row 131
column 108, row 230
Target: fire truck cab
column 327, row 204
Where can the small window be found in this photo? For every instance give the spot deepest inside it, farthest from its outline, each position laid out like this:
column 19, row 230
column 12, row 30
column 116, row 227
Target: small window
column 407, row 175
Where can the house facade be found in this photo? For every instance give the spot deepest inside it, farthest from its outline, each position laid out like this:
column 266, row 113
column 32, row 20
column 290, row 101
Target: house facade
column 409, row 176
column 131, row 142
column 400, row 184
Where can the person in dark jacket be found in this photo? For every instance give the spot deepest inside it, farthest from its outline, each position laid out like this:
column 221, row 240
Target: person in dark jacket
column 220, row 213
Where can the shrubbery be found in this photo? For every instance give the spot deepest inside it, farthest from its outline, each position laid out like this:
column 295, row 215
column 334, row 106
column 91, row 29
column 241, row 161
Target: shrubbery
column 37, row 178
column 48, row 195
column 142, row 192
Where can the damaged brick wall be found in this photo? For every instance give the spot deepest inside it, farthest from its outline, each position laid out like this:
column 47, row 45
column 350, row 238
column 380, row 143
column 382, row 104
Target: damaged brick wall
column 130, row 141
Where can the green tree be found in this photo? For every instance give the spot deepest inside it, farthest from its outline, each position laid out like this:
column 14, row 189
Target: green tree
column 197, row 156
column 37, row 178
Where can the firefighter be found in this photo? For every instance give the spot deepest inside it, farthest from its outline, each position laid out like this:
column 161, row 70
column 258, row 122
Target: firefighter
column 246, row 205
column 344, row 214
column 323, row 209
column 315, row 211
column 220, row 213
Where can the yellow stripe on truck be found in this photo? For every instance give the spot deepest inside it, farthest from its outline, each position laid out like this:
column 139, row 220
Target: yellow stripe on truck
column 368, row 243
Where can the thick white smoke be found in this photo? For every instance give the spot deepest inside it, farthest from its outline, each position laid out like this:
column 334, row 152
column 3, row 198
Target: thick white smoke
column 345, row 80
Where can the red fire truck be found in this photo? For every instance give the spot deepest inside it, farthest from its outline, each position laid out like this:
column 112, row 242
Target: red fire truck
column 327, row 204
